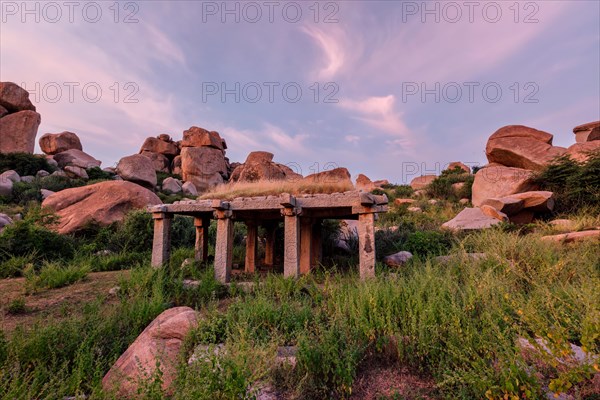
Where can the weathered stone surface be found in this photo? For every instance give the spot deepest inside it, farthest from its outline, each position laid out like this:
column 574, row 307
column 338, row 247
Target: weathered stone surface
column 259, row 166
column 171, row 185
column 522, row 147
column 492, row 212
column 160, row 162
column 200, row 137
column 400, row 202
column 414, row 209
column 176, row 166
column 421, row 182
column 580, row 151
column 53, row 143
column 507, row 205
column 334, row 176
column 464, row 201
column 5, row 220
column 160, row 145
column 538, row 201
column 28, row 178
column 14, row 98
column 259, row 157
column 3, row 111
column 587, row 132
column 76, row 158
column 523, row 217
column 364, row 183
column 11, row 176
column 496, row 182
column 458, row 164
column 573, row 237
column 18, row 131
column 189, row 189
column 104, row 203
column 76, row 172
column 42, row 173
column 457, row 187
column 46, row 193
column 203, row 166
column 160, row 343
column 397, row 259
column 471, row 219
column 139, row 169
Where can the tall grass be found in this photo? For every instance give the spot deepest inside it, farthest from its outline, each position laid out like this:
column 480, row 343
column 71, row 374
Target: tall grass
column 233, row 190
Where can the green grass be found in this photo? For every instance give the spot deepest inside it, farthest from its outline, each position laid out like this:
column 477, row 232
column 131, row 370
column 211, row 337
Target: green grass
column 456, row 323
column 54, row 275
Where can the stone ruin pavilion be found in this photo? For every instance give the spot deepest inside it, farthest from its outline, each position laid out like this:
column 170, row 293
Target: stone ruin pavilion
column 302, row 216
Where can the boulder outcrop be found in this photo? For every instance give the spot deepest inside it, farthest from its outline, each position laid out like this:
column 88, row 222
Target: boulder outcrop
column 498, row 181
column 54, row 143
column 139, row 169
column 102, row 203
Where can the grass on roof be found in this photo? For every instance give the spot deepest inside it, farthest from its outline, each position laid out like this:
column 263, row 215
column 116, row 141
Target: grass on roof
column 231, row 191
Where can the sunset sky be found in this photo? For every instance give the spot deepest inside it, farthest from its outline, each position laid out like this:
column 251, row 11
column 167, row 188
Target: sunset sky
column 361, row 68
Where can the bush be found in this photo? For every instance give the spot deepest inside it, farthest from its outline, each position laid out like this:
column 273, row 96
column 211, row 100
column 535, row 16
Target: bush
column 24, row 192
column 97, row 174
column 441, row 187
column 24, row 163
column 53, row 275
column 17, row 306
column 27, row 237
column 575, row 185
column 428, row 243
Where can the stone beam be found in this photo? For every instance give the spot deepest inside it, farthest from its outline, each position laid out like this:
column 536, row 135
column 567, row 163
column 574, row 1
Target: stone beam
column 161, row 246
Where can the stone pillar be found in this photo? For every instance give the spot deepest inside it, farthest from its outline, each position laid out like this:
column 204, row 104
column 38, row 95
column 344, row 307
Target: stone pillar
column 161, row 246
column 291, row 253
column 306, row 252
column 201, row 247
column 224, row 246
column 251, row 241
column 366, row 245
column 270, row 227
column 317, row 243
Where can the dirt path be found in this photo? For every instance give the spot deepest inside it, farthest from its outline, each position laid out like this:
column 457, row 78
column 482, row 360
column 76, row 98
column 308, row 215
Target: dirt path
column 53, row 303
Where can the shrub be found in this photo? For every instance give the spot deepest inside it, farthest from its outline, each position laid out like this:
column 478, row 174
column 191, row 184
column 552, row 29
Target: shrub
column 428, row 243
column 441, row 187
column 27, row 237
column 575, row 185
column 97, row 174
column 53, row 275
column 17, row 306
column 14, row 266
column 24, row 163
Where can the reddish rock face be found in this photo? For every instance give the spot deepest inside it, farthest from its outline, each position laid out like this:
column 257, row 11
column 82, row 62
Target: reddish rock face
column 334, row 176
column 587, row 132
column 203, row 166
column 364, row 183
column 199, row 137
column 76, row 158
column 522, row 147
column 139, row 169
column 159, row 161
column 156, row 145
column 14, row 98
column 103, row 203
column 260, row 157
column 496, row 182
column 53, row 143
column 259, row 166
column 458, row 164
column 580, row 151
column 421, row 182
column 160, row 343
column 18, row 131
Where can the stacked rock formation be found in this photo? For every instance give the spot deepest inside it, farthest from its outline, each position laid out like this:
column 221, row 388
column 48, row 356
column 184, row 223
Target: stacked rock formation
column 203, row 160
column 259, row 166
column 19, row 120
column 161, row 151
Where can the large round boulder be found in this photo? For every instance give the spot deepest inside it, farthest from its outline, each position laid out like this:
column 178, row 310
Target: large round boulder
column 421, row 182
column 161, row 145
column 336, row 176
column 158, row 346
column 18, row 131
column 259, row 166
column 522, row 147
column 14, row 98
column 53, row 143
column 203, row 166
column 200, row 137
column 139, row 169
column 76, row 158
column 103, row 203
column 587, row 132
column 498, row 181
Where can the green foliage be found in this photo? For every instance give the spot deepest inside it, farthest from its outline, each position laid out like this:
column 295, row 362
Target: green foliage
column 428, row 243
column 575, row 185
column 30, row 236
column 24, row 163
column 53, row 275
column 97, row 174
column 442, row 188
column 17, row 306
column 24, row 192
column 161, row 176
column 14, row 266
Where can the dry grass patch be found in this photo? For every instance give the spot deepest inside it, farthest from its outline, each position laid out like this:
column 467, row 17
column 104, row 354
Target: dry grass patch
column 231, row 191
